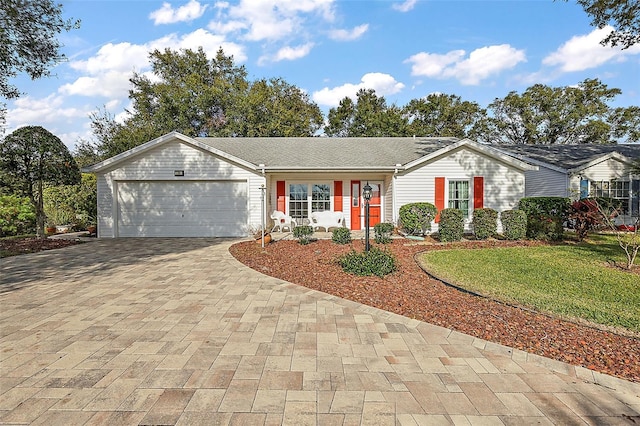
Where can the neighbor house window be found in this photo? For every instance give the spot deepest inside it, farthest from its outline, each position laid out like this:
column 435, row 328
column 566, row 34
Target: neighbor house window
column 459, row 196
column 305, row 198
column 619, row 190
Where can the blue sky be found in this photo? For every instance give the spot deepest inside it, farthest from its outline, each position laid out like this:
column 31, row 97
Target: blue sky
column 478, row 50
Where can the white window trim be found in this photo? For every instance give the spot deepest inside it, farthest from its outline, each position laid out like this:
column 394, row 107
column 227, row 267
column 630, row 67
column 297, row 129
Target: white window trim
column 446, row 194
column 309, row 192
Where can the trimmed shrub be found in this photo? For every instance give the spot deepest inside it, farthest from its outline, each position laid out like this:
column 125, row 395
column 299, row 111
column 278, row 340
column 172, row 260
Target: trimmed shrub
column 341, row 236
column 545, row 216
column 514, row 224
column 383, row 232
column 451, row 225
column 485, row 223
column 303, row 234
column 416, row 218
column 373, row 262
column 17, row 216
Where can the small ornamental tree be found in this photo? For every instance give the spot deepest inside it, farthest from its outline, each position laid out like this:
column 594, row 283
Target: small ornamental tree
column 628, row 236
column 33, row 157
column 586, row 216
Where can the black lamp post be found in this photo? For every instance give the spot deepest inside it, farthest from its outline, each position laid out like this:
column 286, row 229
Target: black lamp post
column 366, row 194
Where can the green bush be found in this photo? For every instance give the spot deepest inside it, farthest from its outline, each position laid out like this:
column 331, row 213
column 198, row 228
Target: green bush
column 416, row 218
column 451, row 225
column 485, row 223
column 303, row 234
column 383, row 232
column 514, row 224
column 17, row 216
column 373, row 262
column 545, row 216
column 72, row 204
column 341, row 236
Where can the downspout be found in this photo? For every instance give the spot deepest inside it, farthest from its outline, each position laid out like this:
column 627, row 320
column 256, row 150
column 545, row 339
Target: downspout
column 394, row 215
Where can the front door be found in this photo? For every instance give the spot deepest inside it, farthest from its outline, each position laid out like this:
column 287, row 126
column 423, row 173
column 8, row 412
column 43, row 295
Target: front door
column 375, row 205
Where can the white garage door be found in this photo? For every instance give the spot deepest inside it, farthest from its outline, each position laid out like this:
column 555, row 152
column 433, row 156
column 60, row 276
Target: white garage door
column 182, row 209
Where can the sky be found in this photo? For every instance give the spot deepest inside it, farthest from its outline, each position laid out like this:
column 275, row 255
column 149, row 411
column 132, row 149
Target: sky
column 478, row 50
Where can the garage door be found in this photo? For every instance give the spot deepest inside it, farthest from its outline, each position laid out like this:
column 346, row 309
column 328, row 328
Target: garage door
column 182, row 209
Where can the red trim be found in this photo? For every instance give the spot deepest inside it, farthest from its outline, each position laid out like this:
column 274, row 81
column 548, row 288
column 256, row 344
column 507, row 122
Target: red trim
column 337, row 196
column 439, row 196
column 478, row 192
column 281, row 196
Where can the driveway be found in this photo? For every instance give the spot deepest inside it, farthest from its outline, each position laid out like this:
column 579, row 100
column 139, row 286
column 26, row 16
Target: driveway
column 176, row 331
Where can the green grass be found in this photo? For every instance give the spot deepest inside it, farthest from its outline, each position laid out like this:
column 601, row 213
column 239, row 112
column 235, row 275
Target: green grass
column 572, row 281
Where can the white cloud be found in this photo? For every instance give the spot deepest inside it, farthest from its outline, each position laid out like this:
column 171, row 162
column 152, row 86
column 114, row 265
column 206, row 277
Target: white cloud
column 383, row 84
column 405, row 6
column 481, row 63
column 288, row 53
column 168, row 15
column 269, row 19
column 349, row 35
column 51, row 113
column 585, row 52
column 107, row 73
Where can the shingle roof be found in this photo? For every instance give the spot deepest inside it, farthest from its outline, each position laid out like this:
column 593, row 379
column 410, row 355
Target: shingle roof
column 569, row 156
column 328, row 153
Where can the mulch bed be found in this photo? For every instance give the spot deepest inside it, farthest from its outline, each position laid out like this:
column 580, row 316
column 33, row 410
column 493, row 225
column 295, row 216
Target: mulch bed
column 412, row 293
column 16, row 246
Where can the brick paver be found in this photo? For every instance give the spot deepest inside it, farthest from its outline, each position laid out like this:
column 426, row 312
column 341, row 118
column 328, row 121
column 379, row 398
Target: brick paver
column 175, row 331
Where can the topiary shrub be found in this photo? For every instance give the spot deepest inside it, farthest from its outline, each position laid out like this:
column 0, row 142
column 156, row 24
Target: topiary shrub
column 416, row 218
column 514, row 224
column 373, row 262
column 383, row 232
column 451, row 225
column 485, row 223
column 341, row 236
column 303, row 234
column 545, row 216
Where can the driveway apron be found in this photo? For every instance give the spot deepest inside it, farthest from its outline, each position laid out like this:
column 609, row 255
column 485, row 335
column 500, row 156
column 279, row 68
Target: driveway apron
column 176, row 331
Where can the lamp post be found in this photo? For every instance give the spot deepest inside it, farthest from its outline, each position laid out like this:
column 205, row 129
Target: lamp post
column 262, row 212
column 366, row 194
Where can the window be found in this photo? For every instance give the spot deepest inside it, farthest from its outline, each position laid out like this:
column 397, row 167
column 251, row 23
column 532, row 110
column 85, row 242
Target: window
column 459, row 196
column 305, row 198
column 617, row 189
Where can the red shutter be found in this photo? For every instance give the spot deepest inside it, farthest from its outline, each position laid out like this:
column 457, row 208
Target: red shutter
column 478, row 192
column 439, row 199
column 281, row 196
column 337, row 195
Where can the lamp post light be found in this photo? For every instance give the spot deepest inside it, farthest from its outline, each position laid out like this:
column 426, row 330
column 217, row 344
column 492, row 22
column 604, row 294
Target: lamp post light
column 366, row 194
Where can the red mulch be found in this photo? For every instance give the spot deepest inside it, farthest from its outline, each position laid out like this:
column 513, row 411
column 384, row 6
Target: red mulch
column 412, row 293
column 16, row 246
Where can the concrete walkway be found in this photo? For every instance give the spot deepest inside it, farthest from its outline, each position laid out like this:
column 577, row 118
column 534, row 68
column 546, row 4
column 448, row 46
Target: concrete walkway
column 176, row 331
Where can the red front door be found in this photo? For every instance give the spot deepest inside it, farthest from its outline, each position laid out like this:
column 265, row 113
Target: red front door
column 355, row 205
column 375, row 205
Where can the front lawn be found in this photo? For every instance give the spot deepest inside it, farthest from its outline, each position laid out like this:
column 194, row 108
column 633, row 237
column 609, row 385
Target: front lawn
column 574, row 281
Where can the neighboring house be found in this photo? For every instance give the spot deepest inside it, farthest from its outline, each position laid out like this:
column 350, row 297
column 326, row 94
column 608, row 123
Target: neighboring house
column 178, row 186
column 582, row 171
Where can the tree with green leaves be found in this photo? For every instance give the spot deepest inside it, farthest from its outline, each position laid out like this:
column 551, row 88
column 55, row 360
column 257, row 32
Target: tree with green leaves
column 622, row 15
column 32, row 157
column 556, row 115
column 28, row 31
column 369, row 116
column 274, row 107
column 443, row 115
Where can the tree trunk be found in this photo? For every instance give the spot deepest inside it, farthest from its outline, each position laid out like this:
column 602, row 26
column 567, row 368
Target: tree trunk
column 40, row 217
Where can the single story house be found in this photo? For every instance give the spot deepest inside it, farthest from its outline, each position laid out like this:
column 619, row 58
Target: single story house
column 581, row 171
column 179, row 186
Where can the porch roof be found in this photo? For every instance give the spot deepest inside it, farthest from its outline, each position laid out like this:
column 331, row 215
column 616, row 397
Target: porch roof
column 367, row 153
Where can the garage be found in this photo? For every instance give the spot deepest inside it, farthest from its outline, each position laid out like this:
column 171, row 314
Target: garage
column 181, row 208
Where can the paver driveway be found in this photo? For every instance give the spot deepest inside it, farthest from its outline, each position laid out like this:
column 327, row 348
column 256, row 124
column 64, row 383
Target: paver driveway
column 175, row 331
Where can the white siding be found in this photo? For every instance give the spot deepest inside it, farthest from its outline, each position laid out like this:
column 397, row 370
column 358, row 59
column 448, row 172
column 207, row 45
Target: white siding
column 503, row 184
column 610, row 169
column 545, row 182
column 159, row 164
